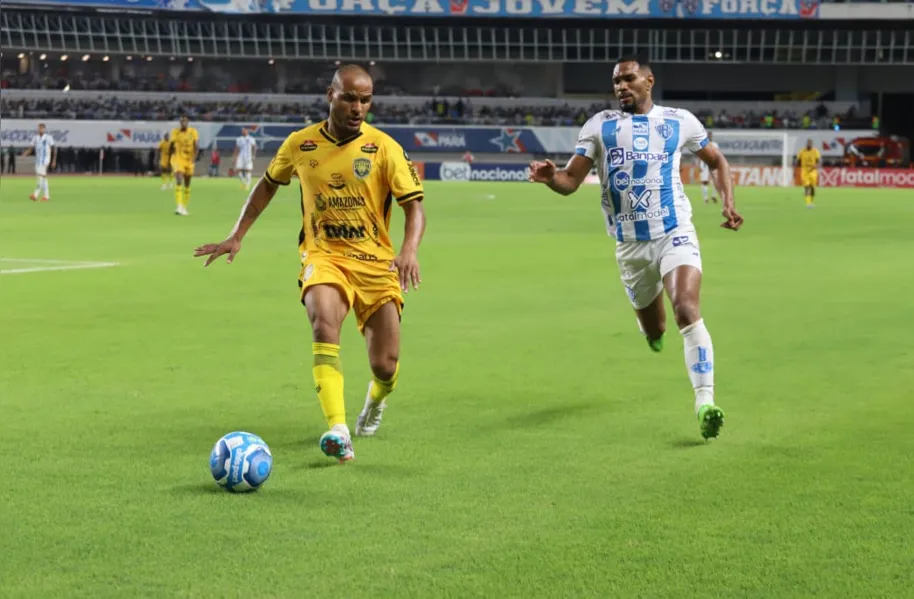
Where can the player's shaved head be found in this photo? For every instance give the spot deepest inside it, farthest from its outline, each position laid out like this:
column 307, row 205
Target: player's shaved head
column 349, row 96
column 633, row 80
column 349, row 74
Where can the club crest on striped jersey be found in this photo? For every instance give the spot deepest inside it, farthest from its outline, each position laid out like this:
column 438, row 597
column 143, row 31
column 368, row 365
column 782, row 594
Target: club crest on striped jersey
column 665, row 130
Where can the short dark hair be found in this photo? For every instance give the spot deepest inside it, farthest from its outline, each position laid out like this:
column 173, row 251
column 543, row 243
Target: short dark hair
column 642, row 61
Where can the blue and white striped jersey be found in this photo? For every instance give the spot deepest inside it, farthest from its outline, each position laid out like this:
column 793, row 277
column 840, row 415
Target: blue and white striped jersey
column 637, row 158
column 42, row 145
column 245, row 145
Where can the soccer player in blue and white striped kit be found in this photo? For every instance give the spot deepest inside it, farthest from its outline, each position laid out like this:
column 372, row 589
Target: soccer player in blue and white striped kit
column 636, row 151
column 45, row 156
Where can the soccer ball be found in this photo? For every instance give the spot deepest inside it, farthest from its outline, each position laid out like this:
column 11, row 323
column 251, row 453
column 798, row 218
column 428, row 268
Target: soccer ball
column 240, row 462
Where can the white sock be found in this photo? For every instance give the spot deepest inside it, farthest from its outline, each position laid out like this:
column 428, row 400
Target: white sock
column 699, row 358
column 247, row 178
column 38, row 185
column 47, row 190
column 704, row 191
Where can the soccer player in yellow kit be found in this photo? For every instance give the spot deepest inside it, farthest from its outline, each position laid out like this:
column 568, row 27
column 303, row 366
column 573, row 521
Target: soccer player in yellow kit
column 165, row 161
column 185, row 144
column 809, row 160
column 350, row 174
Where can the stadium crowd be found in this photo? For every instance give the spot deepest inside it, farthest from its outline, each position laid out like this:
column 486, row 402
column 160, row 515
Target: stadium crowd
column 436, row 111
column 183, row 78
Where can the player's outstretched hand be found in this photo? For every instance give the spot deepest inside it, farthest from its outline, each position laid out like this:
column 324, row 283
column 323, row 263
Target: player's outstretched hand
column 734, row 220
column 542, row 171
column 407, row 267
column 230, row 246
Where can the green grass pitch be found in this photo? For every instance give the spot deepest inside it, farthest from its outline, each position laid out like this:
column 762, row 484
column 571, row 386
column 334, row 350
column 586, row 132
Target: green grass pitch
column 536, row 447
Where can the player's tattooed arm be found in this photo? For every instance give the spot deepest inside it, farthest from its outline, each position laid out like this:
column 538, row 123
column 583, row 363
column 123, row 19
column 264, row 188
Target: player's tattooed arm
column 256, row 203
column 564, row 181
column 723, row 182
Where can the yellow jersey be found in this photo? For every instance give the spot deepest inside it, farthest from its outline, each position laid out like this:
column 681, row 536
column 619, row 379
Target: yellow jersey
column 185, row 141
column 809, row 159
column 164, row 151
column 347, row 189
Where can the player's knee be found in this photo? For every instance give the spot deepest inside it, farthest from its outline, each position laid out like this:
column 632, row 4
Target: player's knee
column 325, row 328
column 686, row 312
column 384, row 366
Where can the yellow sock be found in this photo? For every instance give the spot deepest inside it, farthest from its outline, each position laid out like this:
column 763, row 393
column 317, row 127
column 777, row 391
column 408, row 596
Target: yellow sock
column 164, row 178
column 381, row 389
column 328, row 380
column 808, row 200
column 179, row 195
column 186, row 196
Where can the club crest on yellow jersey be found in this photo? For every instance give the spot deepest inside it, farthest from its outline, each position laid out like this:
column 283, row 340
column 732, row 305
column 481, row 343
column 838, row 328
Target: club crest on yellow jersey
column 361, row 167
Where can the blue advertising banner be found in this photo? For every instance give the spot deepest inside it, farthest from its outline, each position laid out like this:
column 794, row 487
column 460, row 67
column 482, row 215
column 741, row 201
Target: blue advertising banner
column 420, row 139
column 551, row 9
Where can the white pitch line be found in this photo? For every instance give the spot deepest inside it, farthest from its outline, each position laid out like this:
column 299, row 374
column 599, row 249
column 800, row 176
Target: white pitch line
column 71, row 266
column 43, row 261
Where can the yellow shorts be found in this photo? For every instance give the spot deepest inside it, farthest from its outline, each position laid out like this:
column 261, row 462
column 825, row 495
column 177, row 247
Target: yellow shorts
column 185, row 167
column 165, row 166
column 366, row 286
column 810, row 178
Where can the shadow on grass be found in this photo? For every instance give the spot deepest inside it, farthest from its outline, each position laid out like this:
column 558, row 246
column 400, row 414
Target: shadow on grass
column 687, row 443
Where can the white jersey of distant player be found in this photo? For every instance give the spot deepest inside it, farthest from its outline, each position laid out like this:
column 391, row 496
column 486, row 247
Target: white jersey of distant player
column 637, row 158
column 704, row 169
column 42, row 145
column 245, row 159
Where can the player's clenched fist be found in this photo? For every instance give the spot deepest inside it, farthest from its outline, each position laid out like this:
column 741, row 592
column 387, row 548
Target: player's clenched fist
column 230, row 246
column 542, row 171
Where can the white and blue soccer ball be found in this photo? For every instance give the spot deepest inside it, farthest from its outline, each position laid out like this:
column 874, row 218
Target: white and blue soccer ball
column 241, row 462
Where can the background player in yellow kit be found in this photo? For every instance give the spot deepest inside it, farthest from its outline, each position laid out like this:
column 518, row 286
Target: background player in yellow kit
column 165, row 161
column 185, row 144
column 350, row 174
column 809, row 160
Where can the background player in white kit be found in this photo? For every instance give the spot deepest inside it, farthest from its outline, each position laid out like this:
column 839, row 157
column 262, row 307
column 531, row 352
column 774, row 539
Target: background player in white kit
column 245, row 148
column 45, row 157
column 637, row 153
column 705, row 174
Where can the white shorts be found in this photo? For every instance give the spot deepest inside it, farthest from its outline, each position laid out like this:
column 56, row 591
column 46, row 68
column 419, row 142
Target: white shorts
column 704, row 173
column 41, row 170
column 247, row 165
column 643, row 264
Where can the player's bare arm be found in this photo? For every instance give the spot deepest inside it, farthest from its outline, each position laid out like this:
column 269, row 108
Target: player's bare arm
column 53, row 157
column 720, row 175
column 564, row 181
column 256, row 203
column 407, row 261
column 27, row 151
